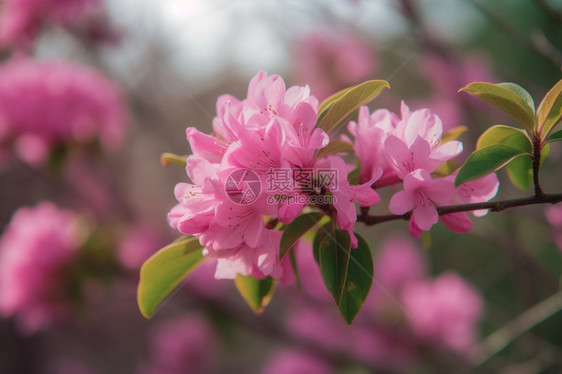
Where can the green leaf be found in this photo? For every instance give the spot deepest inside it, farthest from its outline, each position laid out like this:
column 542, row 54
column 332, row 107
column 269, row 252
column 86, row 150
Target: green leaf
column 331, row 99
column 334, row 147
column 506, row 100
column 296, row 229
column 550, row 110
column 358, row 282
column 162, row 272
column 453, row 134
column 351, row 100
column 520, row 169
column 256, row 292
column 519, row 91
column 324, row 231
column 335, row 252
column 496, row 134
column 556, row 137
column 485, row 161
column 353, row 176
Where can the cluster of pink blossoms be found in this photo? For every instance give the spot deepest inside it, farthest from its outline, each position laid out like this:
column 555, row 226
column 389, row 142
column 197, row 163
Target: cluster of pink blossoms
column 273, row 129
column 249, row 174
column 409, row 150
column 44, row 104
column 36, row 247
column 20, row 20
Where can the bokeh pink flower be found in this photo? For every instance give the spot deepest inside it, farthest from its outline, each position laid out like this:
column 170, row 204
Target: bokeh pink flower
column 49, row 104
column 35, row 249
column 21, row 20
column 444, row 310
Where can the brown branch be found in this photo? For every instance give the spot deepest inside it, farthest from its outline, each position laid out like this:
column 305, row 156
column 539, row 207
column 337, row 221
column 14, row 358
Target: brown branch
column 494, row 206
column 536, row 166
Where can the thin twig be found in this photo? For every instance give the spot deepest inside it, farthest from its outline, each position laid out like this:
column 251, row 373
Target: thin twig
column 518, row 326
column 494, row 206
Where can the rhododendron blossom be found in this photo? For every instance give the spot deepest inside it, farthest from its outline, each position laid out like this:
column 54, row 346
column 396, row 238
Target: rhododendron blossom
column 45, row 104
column 273, row 128
column 261, row 167
column 36, row 247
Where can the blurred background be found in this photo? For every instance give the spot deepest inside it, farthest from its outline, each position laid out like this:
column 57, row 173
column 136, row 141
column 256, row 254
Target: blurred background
column 93, row 91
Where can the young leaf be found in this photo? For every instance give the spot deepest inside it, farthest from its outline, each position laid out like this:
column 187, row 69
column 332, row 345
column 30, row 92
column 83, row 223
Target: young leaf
column 496, row 134
column 162, row 272
column 506, row 100
column 256, row 292
column 351, row 100
column 521, row 92
column 556, row 137
column 453, row 134
column 168, row 159
column 485, row 161
column 520, row 169
column 334, row 147
column 358, row 282
column 335, row 252
column 550, row 110
column 296, row 229
column 331, row 99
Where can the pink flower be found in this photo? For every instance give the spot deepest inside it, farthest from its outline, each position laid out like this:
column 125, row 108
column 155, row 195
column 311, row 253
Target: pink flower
column 332, row 62
column 295, row 362
column 21, row 20
column 445, row 310
column 183, row 346
column 370, row 133
column 416, row 142
column 480, row 190
column 554, row 215
column 233, row 234
column 36, row 247
column 345, row 195
column 47, row 104
column 259, row 261
column 420, row 195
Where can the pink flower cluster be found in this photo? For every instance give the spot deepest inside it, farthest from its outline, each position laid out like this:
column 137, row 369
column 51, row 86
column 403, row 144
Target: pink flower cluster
column 233, row 190
column 443, row 311
column 36, row 247
column 248, row 176
column 44, row 104
column 329, row 63
column 409, row 149
column 20, row 20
